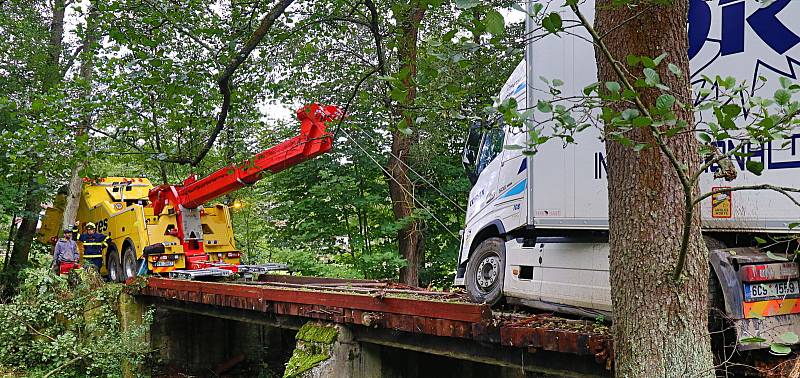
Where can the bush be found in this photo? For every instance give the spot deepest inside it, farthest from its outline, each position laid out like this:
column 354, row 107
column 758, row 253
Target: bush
column 52, row 328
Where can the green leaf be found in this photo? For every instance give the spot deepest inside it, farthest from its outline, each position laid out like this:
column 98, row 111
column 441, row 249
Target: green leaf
column 552, row 23
column 495, row 23
column 776, row 257
column 659, row 58
column 756, row 167
column 752, row 339
column 785, row 82
column 398, row 94
column 651, row 77
column 794, row 225
column 466, row 4
column 590, row 88
column 665, row 101
column 731, row 110
column 544, row 106
column 789, row 337
column 633, row 60
column 783, row 97
column 779, row 349
column 642, row 121
column 613, row 86
column 629, row 114
column 37, row 105
column 675, row 69
column 640, row 147
column 557, row 83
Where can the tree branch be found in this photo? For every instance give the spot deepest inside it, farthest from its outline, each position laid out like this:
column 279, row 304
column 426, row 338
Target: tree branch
column 224, row 81
column 780, row 189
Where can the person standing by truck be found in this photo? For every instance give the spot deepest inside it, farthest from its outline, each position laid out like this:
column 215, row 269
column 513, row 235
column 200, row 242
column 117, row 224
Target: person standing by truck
column 66, row 253
column 93, row 244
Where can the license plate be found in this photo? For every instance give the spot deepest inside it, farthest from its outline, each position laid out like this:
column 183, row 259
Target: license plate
column 164, row 263
column 757, row 291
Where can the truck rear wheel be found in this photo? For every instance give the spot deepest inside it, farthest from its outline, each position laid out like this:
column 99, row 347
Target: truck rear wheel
column 723, row 333
column 129, row 265
column 486, row 271
column 113, row 266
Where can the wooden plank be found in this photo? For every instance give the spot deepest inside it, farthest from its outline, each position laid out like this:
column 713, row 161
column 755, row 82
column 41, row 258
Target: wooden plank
column 406, row 306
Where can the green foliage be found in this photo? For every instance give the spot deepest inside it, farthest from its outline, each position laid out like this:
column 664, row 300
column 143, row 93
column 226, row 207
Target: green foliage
column 51, row 325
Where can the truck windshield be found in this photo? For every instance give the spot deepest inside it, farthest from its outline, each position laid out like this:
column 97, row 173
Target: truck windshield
column 470, row 154
column 491, row 147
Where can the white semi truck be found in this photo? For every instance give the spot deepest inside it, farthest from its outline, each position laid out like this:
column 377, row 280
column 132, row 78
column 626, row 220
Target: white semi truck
column 536, row 226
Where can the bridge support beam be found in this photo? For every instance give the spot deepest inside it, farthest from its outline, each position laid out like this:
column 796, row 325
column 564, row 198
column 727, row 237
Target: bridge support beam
column 329, row 350
column 131, row 315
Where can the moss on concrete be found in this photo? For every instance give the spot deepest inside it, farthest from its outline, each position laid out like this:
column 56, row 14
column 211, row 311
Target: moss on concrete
column 317, row 333
column 314, row 343
column 303, row 361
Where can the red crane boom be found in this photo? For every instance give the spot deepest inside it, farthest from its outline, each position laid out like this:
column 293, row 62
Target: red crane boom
column 312, row 141
column 185, row 199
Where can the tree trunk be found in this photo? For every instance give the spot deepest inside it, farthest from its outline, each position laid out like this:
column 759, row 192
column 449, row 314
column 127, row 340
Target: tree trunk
column 86, row 70
column 660, row 327
column 53, row 75
column 27, row 229
column 401, row 189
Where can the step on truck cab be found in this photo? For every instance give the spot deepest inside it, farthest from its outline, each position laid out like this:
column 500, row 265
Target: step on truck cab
column 536, row 226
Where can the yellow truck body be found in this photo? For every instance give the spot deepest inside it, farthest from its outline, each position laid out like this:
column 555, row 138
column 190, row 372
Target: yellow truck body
column 119, row 207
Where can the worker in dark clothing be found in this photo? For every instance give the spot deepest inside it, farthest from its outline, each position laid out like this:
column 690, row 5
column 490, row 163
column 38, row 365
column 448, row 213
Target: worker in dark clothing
column 93, row 245
column 66, row 252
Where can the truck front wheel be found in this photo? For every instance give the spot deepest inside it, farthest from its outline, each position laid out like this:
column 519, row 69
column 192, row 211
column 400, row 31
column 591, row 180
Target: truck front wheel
column 129, row 266
column 113, row 266
column 486, row 271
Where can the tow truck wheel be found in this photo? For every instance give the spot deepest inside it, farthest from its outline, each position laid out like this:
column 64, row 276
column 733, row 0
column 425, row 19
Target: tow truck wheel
column 129, row 265
column 113, row 266
column 486, row 271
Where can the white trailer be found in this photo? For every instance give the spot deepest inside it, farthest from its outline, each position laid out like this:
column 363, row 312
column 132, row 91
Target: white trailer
column 536, row 226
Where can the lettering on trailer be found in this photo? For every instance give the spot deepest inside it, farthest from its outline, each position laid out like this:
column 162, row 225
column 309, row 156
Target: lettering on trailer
column 764, row 22
column 774, row 155
column 743, row 38
column 780, row 154
column 600, row 166
column 102, row 225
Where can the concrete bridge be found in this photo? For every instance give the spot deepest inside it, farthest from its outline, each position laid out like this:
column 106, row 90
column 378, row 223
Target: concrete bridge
column 358, row 328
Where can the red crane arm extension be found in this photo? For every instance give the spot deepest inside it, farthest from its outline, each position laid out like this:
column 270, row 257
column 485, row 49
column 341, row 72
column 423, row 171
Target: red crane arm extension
column 312, row 141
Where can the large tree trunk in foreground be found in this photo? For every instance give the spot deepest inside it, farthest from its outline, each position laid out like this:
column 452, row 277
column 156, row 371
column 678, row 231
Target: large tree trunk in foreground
column 53, row 75
column 660, row 327
column 401, row 189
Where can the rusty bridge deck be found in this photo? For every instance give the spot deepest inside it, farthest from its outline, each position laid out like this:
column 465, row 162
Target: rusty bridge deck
column 382, row 305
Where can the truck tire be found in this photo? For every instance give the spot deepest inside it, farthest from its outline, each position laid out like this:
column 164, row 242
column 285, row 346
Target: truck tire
column 113, row 266
column 723, row 334
column 129, row 263
column 486, row 271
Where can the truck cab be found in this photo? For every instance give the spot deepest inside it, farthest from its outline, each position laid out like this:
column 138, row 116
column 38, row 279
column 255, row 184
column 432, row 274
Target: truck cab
column 536, row 227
